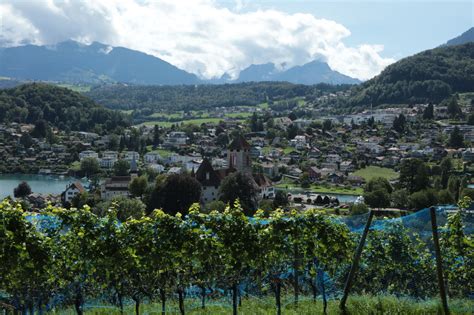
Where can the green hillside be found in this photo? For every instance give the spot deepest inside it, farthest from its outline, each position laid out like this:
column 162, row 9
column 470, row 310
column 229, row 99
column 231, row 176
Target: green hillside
column 60, row 107
column 431, row 75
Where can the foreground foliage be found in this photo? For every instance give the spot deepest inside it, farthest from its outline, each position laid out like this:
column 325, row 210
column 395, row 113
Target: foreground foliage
column 64, row 258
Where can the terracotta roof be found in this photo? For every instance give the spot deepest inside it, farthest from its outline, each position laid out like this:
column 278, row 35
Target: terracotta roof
column 239, row 143
column 78, row 186
column 262, row 181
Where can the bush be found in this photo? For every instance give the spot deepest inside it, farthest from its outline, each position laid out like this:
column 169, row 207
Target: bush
column 358, row 208
column 422, row 199
column 22, row 190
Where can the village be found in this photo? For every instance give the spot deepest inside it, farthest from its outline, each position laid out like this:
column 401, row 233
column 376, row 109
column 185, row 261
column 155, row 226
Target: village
column 321, row 162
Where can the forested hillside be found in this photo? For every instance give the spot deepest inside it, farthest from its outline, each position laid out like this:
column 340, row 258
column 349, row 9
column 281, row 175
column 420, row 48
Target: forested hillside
column 60, row 107
column 431, row 75
column 202, row 96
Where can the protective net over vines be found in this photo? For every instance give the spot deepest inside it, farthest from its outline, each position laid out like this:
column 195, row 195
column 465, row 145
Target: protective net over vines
column 71, row 260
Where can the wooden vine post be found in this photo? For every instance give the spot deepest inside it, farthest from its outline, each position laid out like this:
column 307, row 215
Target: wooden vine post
column 355, row 263
column 439, row 261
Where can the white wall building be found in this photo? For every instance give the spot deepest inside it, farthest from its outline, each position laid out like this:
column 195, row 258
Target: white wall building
column 88, row 154
column 71, row 191
column 152, row 157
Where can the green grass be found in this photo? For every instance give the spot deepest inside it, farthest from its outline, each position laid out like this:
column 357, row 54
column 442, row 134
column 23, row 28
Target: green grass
column 165, row 124
column 263, row 105
column 356, row 305
column 196, row 121
column 76, row 88
column 166, row 116
column 238, row 115
column 163, row 152
column 286, row 150
column 375, row 171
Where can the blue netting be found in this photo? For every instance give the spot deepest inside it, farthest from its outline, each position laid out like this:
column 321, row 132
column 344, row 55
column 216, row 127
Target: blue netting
column 314, row 280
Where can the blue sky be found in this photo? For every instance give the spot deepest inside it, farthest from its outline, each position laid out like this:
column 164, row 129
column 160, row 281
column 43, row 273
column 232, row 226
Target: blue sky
column 403, row 27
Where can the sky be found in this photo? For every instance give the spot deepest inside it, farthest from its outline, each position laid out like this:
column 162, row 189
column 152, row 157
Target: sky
column 214, row 37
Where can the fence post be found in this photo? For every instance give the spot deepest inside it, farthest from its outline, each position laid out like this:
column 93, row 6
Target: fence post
column 439, row 261
column 355, row 263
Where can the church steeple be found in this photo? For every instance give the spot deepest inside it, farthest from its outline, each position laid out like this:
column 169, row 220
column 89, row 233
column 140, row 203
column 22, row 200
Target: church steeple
column 238, row 155
column 133, row 168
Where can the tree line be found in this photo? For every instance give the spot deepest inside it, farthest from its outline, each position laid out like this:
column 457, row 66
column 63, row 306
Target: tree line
column 61, row 258
column 419, row 186
column 150, row 99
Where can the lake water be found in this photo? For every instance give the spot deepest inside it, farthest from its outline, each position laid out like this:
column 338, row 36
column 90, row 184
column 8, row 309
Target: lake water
column 43, row 184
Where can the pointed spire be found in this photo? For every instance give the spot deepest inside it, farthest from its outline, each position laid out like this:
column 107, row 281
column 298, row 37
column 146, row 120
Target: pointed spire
column 239, row 143
column 133, row 166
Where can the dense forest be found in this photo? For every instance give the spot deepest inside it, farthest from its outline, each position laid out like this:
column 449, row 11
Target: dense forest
column 432, row 75
column 197, row 97
column 60, row 107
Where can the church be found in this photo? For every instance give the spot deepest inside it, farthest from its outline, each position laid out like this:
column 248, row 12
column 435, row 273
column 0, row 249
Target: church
column 238, row 160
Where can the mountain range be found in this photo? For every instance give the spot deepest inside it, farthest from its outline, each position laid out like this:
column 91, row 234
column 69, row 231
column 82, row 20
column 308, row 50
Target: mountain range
column 73, row 62
column 310, row 73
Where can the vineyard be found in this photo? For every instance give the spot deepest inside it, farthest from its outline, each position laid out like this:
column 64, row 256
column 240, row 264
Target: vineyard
column 66, row 261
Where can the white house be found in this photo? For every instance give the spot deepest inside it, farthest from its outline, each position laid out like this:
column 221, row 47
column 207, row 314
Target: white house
column 115, row 186
column 270, row 169
column 176, row 139
column 109, row 158
column 88, row 154
column 107, row 162
column 110, row 154
column 157, row 167
column 152, row 157
column 209, row 180
column 299, row 142
column 71, row 191
column 131, row 155
column 468, row 155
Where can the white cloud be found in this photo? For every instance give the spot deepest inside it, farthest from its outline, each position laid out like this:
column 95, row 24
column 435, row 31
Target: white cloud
column 199, row 36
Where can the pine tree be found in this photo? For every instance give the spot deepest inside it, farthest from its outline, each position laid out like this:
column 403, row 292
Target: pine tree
column 456, row 140
column 453, row 108
column 428, row 113
column 156, row 135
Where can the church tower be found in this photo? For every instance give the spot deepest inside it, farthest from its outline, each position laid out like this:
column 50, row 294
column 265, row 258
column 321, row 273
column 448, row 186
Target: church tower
column 238, row 155
column 133, row 168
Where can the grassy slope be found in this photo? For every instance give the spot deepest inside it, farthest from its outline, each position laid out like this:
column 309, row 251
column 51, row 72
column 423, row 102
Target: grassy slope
column 375, row 171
